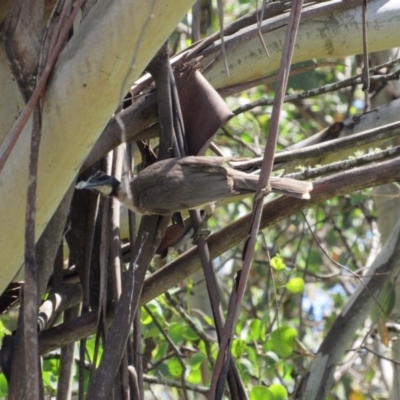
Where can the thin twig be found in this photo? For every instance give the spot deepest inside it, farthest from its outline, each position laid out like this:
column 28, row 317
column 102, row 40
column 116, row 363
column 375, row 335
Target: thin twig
column 265, row 80
column 355, row 275
column 178, row 354
column 94, row 201
column 375, row 353
column 307, row 155
column 345, row 165
column 150, row 233
column 137, row 361
column 366, row 78
column 16, row 130
column 30, row 286
column 168, row 382
column 64, row 386
column 266, row 169
column 199, row 332
column 321, row 90
column 220, row 6
column 236, row 386
column 30, row 300
column 263, row 7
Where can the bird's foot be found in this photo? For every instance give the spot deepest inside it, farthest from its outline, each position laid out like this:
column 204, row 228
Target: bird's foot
column 264, row 192
column 202, row 233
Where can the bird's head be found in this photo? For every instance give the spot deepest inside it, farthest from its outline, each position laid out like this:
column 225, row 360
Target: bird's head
column 101, row 183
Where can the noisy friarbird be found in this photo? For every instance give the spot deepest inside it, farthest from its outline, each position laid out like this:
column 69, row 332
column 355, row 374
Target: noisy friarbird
column 187, row 183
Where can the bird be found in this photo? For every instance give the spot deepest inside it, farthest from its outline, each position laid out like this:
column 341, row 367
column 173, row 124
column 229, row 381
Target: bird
column 186, row 183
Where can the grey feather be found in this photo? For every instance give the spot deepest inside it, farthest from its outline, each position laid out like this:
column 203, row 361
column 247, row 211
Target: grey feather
column 188, row 183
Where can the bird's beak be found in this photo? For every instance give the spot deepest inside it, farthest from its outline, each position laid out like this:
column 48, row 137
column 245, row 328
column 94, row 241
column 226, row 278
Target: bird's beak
column 99, row 182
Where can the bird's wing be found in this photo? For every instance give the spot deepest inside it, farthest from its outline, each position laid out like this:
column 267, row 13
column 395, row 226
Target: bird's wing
column 205, row 161
column 185, row 183
column 202, row 162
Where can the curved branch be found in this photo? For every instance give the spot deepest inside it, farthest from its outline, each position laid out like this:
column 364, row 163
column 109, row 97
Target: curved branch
column 330, row 29
column 234, row 234
column 83, row 92
column 333, row 35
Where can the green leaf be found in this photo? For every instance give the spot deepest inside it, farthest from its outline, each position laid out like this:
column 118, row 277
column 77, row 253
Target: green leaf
column 90, row 350
column 174, row 367
column 190, row 334
column 277, row 263
column 50, row 380
column 145, row 318
column 208, row 320
column 154, row 308
column 279, row 392
column 271, row 358
column 283, row 340
column 252, row 355
column 160, row 351
column 238, row 347
column 357, row 199
column 246, row 368
column 255, row 329
column 151, row 332
column 189, row 285
column 194, row 376
column 175, row 332
column 260, row 393
column 214, row 350
column 246, row 137
column 196, row 360
column 202, row 347
column 3, row 386
column 295, row 285
column 3, row 330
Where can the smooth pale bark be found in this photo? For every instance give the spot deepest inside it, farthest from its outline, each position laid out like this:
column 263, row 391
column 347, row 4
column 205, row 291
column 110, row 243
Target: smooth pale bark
column 91, row 76
column 87, row 85
column 335, row 35
column 11, row 100
column 387, row 202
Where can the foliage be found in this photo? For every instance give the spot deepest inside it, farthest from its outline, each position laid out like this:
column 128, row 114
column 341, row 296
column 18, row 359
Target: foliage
column 289, row 307
column 304, row 269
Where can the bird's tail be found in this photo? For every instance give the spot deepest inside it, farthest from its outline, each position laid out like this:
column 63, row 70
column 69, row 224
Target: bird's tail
column 287, row 186
column 291, row 187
